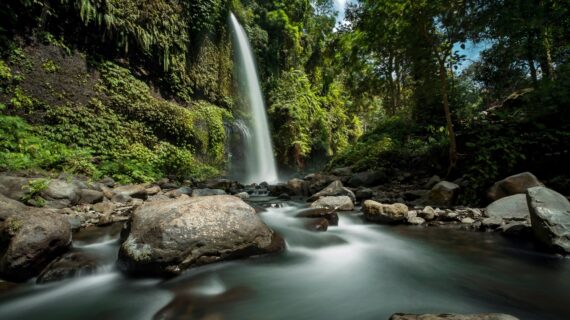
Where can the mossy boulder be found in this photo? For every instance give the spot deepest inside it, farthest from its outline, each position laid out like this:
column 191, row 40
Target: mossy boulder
column 169, row 236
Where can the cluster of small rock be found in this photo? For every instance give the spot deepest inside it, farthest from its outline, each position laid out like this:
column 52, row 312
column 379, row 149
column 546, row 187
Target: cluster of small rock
column 522, row 207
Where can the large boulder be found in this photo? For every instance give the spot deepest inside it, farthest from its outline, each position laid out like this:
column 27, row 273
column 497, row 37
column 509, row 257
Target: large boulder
column 550, row 218
column 167, row 237
column 516, row 184
column 61, row 194
column 384, row 213
column 366, row 179
column 13, row 187
column 484, row 316
column 334, row 189
column 30, row 238
column 444, row 194
column 340, row 203
column 511, row 207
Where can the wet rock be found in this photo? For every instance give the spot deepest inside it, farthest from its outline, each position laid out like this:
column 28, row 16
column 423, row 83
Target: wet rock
column 91, row 196
column 550, row 217
column 443, row 193
column 367, row 179
column 131, row 190
column 428, row 213
column 484, row 316
column 320, row 225
column 516, row 184
column 69, row 265
column 384, row 213
column 329, row 214
column 334, row 189
column 340, row 203
column 510, row 207
column 298, row 187
column 207, row 192
column 30, row 238
column 167, row 237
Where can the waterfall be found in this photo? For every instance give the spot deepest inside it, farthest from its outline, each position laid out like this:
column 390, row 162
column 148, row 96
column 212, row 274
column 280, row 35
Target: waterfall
column 260, row 162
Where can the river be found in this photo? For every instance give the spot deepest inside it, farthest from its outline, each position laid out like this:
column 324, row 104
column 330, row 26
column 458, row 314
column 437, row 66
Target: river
column 354, row 271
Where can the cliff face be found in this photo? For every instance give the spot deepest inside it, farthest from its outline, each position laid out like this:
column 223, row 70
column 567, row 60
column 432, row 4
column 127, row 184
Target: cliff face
column 111, row 116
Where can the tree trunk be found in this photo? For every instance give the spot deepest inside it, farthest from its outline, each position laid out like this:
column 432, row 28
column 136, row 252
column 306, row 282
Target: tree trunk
column 546, row 64
column 530, row 61
column 450, row 131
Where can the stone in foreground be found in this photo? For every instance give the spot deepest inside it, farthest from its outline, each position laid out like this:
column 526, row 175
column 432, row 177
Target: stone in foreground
column 483, row 316
column 550, row 217
column 30, row 238
column 384, row 213
column 166, row 237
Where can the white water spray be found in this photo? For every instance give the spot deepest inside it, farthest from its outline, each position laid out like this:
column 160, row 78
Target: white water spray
column 259, row 150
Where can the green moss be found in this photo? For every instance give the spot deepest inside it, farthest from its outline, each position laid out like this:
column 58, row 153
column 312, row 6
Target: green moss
column 20, row 100
column 5, row 71
column 14, row 225
column 50, row 67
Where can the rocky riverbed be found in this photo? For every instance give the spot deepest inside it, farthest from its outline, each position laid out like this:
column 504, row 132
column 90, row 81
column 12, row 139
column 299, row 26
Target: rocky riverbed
column 170, row 227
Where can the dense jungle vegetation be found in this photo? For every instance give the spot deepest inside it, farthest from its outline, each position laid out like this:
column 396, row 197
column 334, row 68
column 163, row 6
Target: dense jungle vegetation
column 139, row 90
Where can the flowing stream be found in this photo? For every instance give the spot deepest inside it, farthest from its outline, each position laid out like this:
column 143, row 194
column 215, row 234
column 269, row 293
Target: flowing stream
column 260, row 160
column 353, row 271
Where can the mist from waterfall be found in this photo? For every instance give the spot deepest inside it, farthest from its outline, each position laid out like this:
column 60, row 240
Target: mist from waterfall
column 260, row 161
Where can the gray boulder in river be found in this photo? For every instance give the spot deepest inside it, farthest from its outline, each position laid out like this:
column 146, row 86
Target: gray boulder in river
column 483, row 316
column 166, row 237
column 511, row 207
column 550, row 218
column 334, row 189
column 30, row 238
